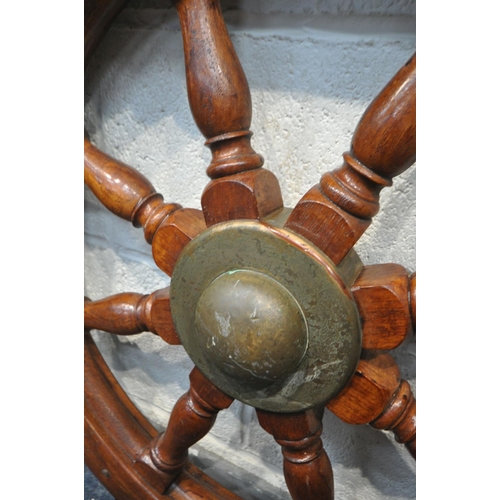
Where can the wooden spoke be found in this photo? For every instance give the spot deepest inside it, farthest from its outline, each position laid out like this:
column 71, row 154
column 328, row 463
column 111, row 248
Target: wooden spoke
column 125, row 452
column 132, row 313
column 381, row 293
column 116, row 433
column 192, row 418
column 306, row 466
column 174, row 234
column 376, row 395
column 125, row 191
column 336, row 212
column 221, row 105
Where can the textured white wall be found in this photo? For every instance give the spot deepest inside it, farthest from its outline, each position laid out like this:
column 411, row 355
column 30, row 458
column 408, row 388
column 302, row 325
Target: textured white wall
column 313, row 67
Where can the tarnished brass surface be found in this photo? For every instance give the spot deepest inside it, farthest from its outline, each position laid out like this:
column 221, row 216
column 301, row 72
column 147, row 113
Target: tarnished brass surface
column 251, row 326
column 265, row 316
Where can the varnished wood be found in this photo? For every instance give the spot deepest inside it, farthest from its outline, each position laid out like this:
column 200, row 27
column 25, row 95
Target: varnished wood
column 306, row 466
column 192, row 418
column 336, row 212
column 125, row 191
column 122, row 448
column 132, row 313
column 381, row 294
column 221, row 105
column 413, row 300
column 116, row 432
column 174, row 234
column 376, row 395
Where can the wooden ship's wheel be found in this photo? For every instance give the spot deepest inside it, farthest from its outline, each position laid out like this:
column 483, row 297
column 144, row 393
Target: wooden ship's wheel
column 272, row 304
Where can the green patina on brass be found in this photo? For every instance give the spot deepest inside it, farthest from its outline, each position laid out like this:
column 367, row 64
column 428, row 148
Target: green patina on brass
column 266, row 316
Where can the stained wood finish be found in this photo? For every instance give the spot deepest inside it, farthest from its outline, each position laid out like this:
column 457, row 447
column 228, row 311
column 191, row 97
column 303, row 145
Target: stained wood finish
column 336, row 212
column 306, row 466
column 376, row 395
column 125, row 191
column 222, row 109
column 122, row 448
column 116, row 433
column 413, row 300
column 381, row 293
column 133, row 313
column 192, row 418
column 174, row 234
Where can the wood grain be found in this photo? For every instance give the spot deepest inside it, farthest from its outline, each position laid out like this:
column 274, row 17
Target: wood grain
column 381, row 294
column 222, row 109
column 376, row 395
column 306, row 466
column 133, row 313
column 337, row 211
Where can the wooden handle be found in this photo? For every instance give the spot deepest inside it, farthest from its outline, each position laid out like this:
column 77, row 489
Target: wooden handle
column 192, row 418
column 217, row 88
column 222, row 108
column 381, row 293
column 132, row 313
column 306, row 466
column 335, row 213
column 376, row 395
column 125, row 191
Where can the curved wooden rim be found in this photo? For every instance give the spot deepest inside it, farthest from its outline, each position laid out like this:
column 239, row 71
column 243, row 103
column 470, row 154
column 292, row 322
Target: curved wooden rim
column 111, row 455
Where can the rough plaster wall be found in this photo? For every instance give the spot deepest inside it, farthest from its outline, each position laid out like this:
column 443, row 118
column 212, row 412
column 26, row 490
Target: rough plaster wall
column 313, row 67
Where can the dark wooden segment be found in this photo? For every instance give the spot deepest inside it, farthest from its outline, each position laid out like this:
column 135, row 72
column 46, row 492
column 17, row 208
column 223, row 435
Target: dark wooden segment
column 115, row 432
column 125, row 191
column 221, row 106
column 381, row 294
column 192, row 418
column 132, row 313
column 174, row 234
column 307, row 468
column 217, row 88
column 413, row 300
column 248, row 195
column 376, row 395
column 336, row 212
column 98, row 15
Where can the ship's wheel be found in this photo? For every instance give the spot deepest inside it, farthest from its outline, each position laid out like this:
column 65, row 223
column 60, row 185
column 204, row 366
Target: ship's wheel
column 272, row 304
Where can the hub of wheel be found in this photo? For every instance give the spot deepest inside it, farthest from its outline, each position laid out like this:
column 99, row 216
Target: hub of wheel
column 266, row 316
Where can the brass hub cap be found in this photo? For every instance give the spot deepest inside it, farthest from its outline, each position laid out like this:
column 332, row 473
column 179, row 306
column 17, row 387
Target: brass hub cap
column 253, row 329
column 265, row 316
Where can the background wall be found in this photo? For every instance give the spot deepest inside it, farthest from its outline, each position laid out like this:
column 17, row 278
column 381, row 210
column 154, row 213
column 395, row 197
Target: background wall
column 312, row 67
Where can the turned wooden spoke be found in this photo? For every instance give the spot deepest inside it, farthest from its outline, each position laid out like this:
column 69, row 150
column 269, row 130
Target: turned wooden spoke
column 381, row 293
column 376, row 395
column 221, row 105
column 306, row 466
column 336, row 212
column 332, row 215
column 132, row 313
column 192, row 418
column 116, row 433
column 129, row 195
column 174, row 234
column 125, row 191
